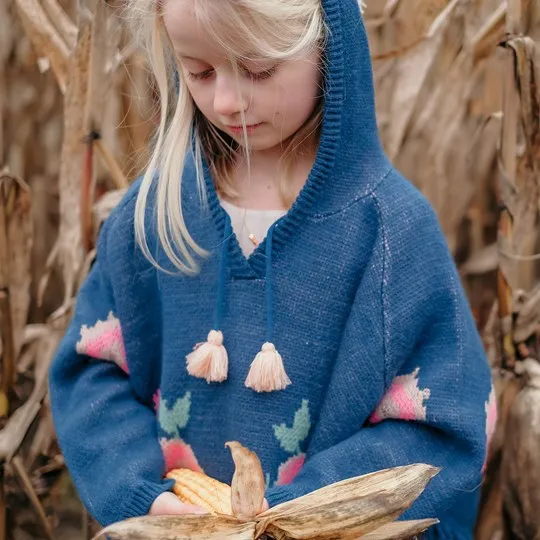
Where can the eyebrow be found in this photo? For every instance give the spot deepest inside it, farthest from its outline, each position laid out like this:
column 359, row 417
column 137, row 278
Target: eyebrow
column 248, row 60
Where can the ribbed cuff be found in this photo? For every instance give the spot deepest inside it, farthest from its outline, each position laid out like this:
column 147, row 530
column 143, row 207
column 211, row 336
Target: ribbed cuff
column 145, row 494
column 280, row 494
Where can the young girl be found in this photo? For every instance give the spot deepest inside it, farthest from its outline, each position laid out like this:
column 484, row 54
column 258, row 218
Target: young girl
column 271, row 279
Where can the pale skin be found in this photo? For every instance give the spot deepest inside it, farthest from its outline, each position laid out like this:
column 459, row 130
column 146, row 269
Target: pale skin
column 168, row 504
column 277, row 97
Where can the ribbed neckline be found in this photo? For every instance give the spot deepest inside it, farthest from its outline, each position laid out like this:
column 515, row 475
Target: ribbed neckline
column 254, row 265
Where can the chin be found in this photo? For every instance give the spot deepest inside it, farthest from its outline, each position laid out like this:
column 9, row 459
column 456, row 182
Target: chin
column 262, row 144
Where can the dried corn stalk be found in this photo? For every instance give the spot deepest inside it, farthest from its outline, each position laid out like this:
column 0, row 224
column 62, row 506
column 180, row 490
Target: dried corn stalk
column 365, row 505
column 15, row 253
column 510, row 498
column 69, row 246
column 520, row 469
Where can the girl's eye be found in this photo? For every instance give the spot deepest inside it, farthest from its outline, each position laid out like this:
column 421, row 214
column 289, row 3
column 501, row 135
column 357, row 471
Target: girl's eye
column 261, row 75
column 206, row 74
column 254, row 75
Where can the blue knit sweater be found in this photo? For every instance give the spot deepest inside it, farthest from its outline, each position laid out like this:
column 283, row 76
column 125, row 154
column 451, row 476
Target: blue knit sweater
column 356, row 288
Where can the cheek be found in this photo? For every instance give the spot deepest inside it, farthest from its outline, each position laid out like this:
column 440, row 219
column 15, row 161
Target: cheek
column 298, row 99
column 202, row 97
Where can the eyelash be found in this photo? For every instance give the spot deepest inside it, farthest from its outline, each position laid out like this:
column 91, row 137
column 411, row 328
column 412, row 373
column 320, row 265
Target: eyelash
column 260, row 76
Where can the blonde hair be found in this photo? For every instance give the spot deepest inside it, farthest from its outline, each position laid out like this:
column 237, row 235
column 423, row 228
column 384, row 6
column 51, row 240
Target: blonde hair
column 276, row 29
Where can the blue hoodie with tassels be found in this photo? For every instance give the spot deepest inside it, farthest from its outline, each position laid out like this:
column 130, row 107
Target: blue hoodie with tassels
column 356, row 289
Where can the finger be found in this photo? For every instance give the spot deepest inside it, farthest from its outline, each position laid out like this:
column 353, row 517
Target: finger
column 174, row 506
column 169, row 504
column 265, row 506
column 190, row 509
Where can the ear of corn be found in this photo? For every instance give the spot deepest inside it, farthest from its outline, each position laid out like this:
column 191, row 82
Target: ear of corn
column 365, row 506
column 196, row 488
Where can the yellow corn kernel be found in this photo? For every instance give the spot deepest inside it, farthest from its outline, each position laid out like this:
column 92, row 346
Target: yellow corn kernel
column 196, row 488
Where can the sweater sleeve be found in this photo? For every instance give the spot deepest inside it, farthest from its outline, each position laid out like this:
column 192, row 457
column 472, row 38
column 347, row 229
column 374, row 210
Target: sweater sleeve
column 435, row 391
column 107, row 435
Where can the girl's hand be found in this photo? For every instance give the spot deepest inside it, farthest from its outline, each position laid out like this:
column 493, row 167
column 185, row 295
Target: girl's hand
column 168, row 504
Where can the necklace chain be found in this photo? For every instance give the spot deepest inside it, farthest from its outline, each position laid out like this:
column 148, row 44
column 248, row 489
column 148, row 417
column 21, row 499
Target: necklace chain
column 251, row 236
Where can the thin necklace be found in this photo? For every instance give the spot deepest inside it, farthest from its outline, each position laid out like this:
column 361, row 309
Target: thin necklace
column 251, row 236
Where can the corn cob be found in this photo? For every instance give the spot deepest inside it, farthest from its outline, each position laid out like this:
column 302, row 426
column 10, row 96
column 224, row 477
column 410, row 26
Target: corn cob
column 196, row 488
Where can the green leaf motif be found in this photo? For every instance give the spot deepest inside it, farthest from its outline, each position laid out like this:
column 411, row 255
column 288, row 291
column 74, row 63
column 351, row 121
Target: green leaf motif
column 177, row 418
column 291, row 437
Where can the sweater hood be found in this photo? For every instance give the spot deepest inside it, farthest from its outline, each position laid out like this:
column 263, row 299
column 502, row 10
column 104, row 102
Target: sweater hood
column 350, row 160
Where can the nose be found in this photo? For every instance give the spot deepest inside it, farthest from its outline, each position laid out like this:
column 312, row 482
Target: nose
column 228, row 96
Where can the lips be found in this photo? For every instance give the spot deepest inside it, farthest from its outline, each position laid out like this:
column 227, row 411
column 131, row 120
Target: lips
column 238, row 129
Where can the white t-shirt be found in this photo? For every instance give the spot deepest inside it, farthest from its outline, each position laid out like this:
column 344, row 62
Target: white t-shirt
column 246, row 221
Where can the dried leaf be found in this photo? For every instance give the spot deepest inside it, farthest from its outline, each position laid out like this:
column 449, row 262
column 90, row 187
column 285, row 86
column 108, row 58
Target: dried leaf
column 519, row 174
column 248, row 486
column 24, row 477
column 490, row 519
column 18, row 424
column 524, row 51
column 481, row 262
column 118, row 177
column 15, row 274
column 63, row 23
column 528, row 319
column 490, row 34
column 412, row 73
column 45, row 38
column 349, row 508
column 521, row 459
column 400, row 529
column 187, row 527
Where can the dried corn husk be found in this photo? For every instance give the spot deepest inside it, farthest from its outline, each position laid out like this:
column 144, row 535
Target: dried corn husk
column 350, row 508
column 206, row 528
column 400, row 529
column 186, row 527
column 247, row 483
column 344, row 510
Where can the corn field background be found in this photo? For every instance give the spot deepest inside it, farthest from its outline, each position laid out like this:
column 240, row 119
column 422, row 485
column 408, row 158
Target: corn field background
column 459, row 113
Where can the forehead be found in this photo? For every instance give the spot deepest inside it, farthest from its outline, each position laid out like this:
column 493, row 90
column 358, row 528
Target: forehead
column 215, row 35
column 182, row 25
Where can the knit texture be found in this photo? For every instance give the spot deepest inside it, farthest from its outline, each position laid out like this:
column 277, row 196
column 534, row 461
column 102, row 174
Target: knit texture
column 368, row 313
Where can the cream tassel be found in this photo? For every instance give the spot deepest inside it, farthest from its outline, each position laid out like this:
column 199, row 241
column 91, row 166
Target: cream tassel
column 267, row 372
column 209, row 360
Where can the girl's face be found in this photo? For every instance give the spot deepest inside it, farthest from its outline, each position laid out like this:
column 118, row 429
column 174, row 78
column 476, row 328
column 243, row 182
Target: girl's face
column 276, row 98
